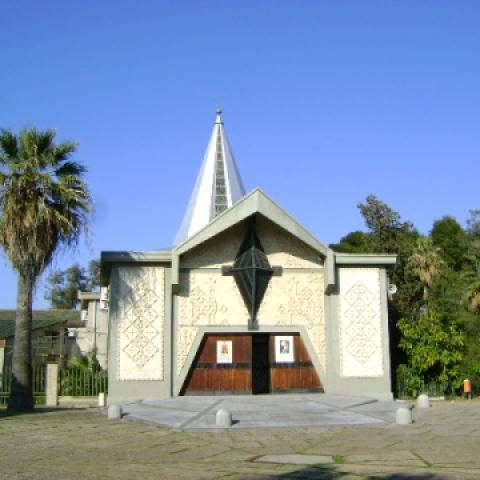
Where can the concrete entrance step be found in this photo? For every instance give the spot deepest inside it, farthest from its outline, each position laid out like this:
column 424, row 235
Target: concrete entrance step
column 263, row 411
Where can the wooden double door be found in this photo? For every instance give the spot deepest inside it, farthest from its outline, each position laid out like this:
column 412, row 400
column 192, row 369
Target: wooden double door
column 249, row 364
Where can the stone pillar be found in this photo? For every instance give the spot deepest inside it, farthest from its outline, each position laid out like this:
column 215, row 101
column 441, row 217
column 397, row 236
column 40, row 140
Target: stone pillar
column 2, row 359
column 51, row 387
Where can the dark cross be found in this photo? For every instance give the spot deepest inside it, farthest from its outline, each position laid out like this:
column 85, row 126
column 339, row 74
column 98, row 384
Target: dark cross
column 252, row 272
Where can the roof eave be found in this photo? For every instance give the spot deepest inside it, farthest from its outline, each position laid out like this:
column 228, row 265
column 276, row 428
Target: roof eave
column 365, row 259
column 108, row 258
column 256, row 201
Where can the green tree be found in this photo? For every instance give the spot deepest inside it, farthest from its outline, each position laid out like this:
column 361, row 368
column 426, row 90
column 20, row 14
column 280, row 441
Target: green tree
column 472, row 295
column 473, row 223
column 44, row 204
column 470, row 319
column 449, row 236
column 354, row 242
column 63, row 285
column 434, row 348
column 93, row 275
column 426, row 262
column 385, row 224
column 471, row 277
column 390, row 234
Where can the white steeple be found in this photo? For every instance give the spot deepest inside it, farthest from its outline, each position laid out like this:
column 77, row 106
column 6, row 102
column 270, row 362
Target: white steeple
column 218, row 184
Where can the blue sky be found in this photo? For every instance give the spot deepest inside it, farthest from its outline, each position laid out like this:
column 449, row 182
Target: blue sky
column 324, row 103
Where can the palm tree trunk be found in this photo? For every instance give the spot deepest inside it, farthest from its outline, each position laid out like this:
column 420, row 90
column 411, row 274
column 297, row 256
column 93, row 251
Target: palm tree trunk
column 21, row 395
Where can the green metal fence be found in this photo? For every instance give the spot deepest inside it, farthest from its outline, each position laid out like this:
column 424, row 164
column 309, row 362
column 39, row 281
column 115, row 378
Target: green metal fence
column 80, row 382
column 75, row 382
column 408, row 386
column 38, row 384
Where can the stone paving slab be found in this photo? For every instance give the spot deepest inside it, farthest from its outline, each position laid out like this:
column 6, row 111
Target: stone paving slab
column 296, row 459
column 269, row 411
column 382, row 409
column 343, row 401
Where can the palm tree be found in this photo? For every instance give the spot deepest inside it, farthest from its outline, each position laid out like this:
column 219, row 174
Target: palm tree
column 472, row 295
column 472, row 279
column 426, row 262
column 44, row 204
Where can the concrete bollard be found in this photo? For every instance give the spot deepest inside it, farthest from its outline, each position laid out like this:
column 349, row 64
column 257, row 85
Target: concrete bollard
column 223, row 418
column 114, row 412
column 101, row 399
column 403, row 416
column 423, row 401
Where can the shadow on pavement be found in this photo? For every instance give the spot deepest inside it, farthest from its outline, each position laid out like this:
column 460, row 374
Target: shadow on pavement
column 327, row 472
column 4, row 413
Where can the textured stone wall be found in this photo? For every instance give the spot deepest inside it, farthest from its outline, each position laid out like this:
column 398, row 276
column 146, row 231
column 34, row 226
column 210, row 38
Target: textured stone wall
column 284, row 249
column 297, row 299
column 206, row 298
column 138, row 306
column 280, row 247
column 219, row 251
column 360, row 323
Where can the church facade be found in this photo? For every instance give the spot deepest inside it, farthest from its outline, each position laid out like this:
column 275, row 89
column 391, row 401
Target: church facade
column 246, row 302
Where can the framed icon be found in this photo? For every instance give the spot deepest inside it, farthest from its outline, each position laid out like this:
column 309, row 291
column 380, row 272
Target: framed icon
column 284, row 349
column 224, row 351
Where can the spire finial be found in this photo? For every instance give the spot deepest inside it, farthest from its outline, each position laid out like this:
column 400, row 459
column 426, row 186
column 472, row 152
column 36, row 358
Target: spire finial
column 218, row 184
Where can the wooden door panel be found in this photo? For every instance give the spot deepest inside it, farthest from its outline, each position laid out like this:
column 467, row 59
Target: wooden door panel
column 297, row 376
column 206, row 376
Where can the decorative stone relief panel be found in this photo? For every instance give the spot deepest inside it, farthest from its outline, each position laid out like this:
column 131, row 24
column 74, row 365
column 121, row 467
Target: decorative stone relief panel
column 360, row 323
column 297, row 299
column 140, row 314
column 207, row 298
column 284, row 249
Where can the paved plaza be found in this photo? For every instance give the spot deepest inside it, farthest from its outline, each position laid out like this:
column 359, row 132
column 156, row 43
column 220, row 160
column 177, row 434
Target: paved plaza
column 82, row 444
column 264, row 411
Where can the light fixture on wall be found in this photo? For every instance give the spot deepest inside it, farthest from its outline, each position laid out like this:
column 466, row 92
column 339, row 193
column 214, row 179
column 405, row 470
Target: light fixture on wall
column 104, row 298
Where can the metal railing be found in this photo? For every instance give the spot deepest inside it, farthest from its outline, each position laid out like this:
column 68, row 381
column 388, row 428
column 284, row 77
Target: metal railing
column 80, row 382
column 38, row 384
column 72, row 381
column 407, row 386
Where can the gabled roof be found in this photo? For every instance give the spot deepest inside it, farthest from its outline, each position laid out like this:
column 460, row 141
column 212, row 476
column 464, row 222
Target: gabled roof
column 255, row 202
column 41, row 319
column 218, row 184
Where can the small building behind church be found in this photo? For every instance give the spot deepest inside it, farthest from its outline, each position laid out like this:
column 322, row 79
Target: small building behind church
column 247, row 301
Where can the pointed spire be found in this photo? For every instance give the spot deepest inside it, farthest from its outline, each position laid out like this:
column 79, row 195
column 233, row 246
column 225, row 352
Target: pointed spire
column 218, row 184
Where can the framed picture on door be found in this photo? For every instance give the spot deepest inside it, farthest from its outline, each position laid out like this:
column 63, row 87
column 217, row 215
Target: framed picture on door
column 284, row 349
column 224, row 351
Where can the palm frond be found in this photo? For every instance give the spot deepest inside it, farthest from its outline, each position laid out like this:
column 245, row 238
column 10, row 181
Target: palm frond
column 43, row 208
column 8, row 145
column 70, row 169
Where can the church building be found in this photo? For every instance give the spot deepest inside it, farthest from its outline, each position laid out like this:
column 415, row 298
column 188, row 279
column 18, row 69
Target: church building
column 247, row 301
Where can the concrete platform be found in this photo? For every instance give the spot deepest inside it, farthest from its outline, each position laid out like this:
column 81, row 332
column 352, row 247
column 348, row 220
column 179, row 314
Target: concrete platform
column 263, row 411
